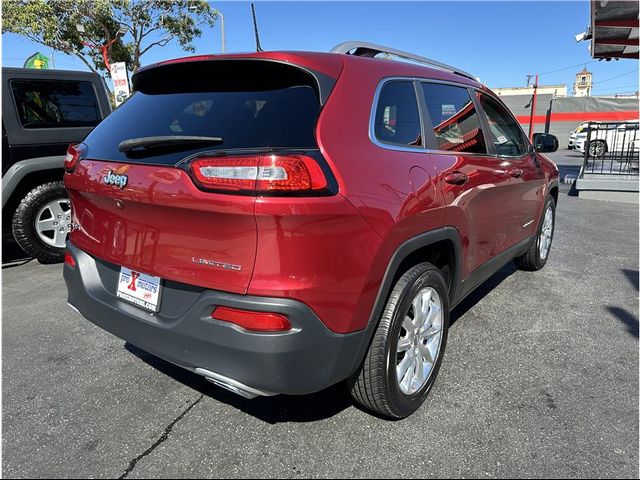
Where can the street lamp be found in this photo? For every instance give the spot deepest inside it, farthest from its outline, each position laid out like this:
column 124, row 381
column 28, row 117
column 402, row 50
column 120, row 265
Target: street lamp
column 221, row 15
column 222, row 29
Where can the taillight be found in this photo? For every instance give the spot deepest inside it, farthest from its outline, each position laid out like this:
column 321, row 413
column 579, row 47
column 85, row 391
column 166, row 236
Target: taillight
column 254, row 321
column 69, row 260
column 260, row 174
column 74, row 153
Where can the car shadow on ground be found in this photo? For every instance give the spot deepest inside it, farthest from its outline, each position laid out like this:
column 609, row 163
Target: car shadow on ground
column 482, row 291
column 13, row 255
column 279, row 409
column 304, row 408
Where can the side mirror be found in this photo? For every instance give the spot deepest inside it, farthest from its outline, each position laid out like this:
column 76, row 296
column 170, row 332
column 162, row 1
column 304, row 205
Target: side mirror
column 545, row 142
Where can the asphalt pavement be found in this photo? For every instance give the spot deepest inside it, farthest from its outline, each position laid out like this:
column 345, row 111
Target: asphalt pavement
column 540, row 379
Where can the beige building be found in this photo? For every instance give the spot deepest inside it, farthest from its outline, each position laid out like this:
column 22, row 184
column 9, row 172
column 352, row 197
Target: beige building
column 557, row 90
column 583, row 84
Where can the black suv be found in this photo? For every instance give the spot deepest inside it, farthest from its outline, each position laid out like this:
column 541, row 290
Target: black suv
column 43, row 111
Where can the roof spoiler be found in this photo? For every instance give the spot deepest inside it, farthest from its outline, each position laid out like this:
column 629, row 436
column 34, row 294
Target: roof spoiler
column 202, row 73
column 366, row 49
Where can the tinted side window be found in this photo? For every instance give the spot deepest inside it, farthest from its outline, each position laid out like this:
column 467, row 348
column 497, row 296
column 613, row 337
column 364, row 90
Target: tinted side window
column 55, row 104
column 456, row 124
column 504, row 130
column 397, row 121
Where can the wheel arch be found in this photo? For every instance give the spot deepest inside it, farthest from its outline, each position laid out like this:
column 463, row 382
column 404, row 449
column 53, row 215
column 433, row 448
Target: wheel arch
column 26, row 174
column 423, row 247
column 22, row 177
column 554, row 190
column 442, row 247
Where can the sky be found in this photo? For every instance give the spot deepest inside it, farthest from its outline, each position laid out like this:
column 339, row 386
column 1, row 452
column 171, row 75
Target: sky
column 499, row 42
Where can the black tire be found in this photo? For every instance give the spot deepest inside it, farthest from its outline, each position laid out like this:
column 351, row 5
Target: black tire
column 531, row 260
column 24, row 219
column 375, row 386
column 597, row 149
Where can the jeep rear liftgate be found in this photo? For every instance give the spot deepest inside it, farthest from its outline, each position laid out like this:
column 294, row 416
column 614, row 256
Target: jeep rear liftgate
column 203, row 152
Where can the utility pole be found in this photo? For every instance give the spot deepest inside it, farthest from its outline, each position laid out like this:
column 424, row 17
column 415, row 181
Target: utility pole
column 533, row 108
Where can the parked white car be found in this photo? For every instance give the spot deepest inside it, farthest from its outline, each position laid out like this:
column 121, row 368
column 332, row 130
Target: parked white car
column 573, row 135
column 608, row 137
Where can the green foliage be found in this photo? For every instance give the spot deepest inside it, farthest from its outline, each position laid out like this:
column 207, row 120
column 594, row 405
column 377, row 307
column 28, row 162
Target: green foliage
column 136, row 25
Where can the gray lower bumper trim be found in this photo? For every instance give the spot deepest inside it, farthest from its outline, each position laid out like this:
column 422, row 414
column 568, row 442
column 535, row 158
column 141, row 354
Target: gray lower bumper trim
column 304, row 360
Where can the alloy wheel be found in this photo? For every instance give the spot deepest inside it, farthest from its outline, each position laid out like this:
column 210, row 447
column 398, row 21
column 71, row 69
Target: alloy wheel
column 546, row 233
column 53, row 222
column 596, row 149
column 419, row 341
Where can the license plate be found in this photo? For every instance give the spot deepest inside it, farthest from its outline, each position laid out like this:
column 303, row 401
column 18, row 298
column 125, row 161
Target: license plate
column 139, row 288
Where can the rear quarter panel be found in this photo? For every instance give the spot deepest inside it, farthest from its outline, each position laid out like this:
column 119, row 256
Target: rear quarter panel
column 396, row 202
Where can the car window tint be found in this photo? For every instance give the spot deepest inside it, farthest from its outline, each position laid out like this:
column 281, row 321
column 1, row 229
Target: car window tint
column 55, row 104
column 505, row 132
column 455, row 121
column 282, row 118
column 397, row 120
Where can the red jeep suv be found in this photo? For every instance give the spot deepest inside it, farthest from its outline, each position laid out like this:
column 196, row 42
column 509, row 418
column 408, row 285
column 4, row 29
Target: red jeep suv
column 279, row 222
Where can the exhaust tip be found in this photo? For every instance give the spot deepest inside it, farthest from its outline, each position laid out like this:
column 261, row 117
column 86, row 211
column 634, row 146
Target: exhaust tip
column 232, row 385
column 232, row 389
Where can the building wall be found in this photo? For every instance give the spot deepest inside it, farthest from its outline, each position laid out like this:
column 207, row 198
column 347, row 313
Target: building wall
column 558, row 90
column 567, row 113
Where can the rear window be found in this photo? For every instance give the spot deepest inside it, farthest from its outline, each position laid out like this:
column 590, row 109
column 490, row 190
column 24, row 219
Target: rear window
column 55, row 104
column 271, row 118
column 397, row 120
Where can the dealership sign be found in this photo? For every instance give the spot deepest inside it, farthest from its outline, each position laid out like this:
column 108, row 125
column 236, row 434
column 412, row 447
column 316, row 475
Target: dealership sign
column 37, row 60
column 120, row 82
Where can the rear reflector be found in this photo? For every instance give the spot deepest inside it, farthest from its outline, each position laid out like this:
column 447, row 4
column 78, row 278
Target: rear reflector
column 69, row 260
column 74, row 152
column 254, row 321
column 260, row 174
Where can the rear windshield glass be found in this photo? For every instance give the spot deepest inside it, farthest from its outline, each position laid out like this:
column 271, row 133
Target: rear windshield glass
column 280, row 118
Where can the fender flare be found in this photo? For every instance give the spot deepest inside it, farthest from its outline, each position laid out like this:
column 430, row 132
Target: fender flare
column 19, row 170
column 403, row 251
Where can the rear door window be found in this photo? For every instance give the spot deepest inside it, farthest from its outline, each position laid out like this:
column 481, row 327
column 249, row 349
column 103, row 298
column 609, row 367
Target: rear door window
column 455, row 121
column 397, row 119
column 55, row 103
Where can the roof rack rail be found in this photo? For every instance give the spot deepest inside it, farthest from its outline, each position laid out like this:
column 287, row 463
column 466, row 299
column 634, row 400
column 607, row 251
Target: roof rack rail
column 366, row 49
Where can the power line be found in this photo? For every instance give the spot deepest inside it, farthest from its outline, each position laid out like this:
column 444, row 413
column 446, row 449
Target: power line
column 568, row 68
column 617, row 76
column 623, row 86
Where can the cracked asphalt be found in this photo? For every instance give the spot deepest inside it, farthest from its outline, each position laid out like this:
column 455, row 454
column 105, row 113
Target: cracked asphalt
column 540, row 379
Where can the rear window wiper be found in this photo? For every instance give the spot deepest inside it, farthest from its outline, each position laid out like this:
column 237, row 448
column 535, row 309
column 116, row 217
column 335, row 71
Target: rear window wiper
column 166, row 141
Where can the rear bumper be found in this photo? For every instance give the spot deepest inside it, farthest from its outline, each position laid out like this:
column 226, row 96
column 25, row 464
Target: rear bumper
column 304, row 360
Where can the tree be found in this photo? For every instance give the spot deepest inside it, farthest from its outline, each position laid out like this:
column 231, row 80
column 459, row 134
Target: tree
column 130, row 28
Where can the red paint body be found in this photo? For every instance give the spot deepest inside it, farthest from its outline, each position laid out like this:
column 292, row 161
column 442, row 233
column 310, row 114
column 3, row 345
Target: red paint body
column 329, row 252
